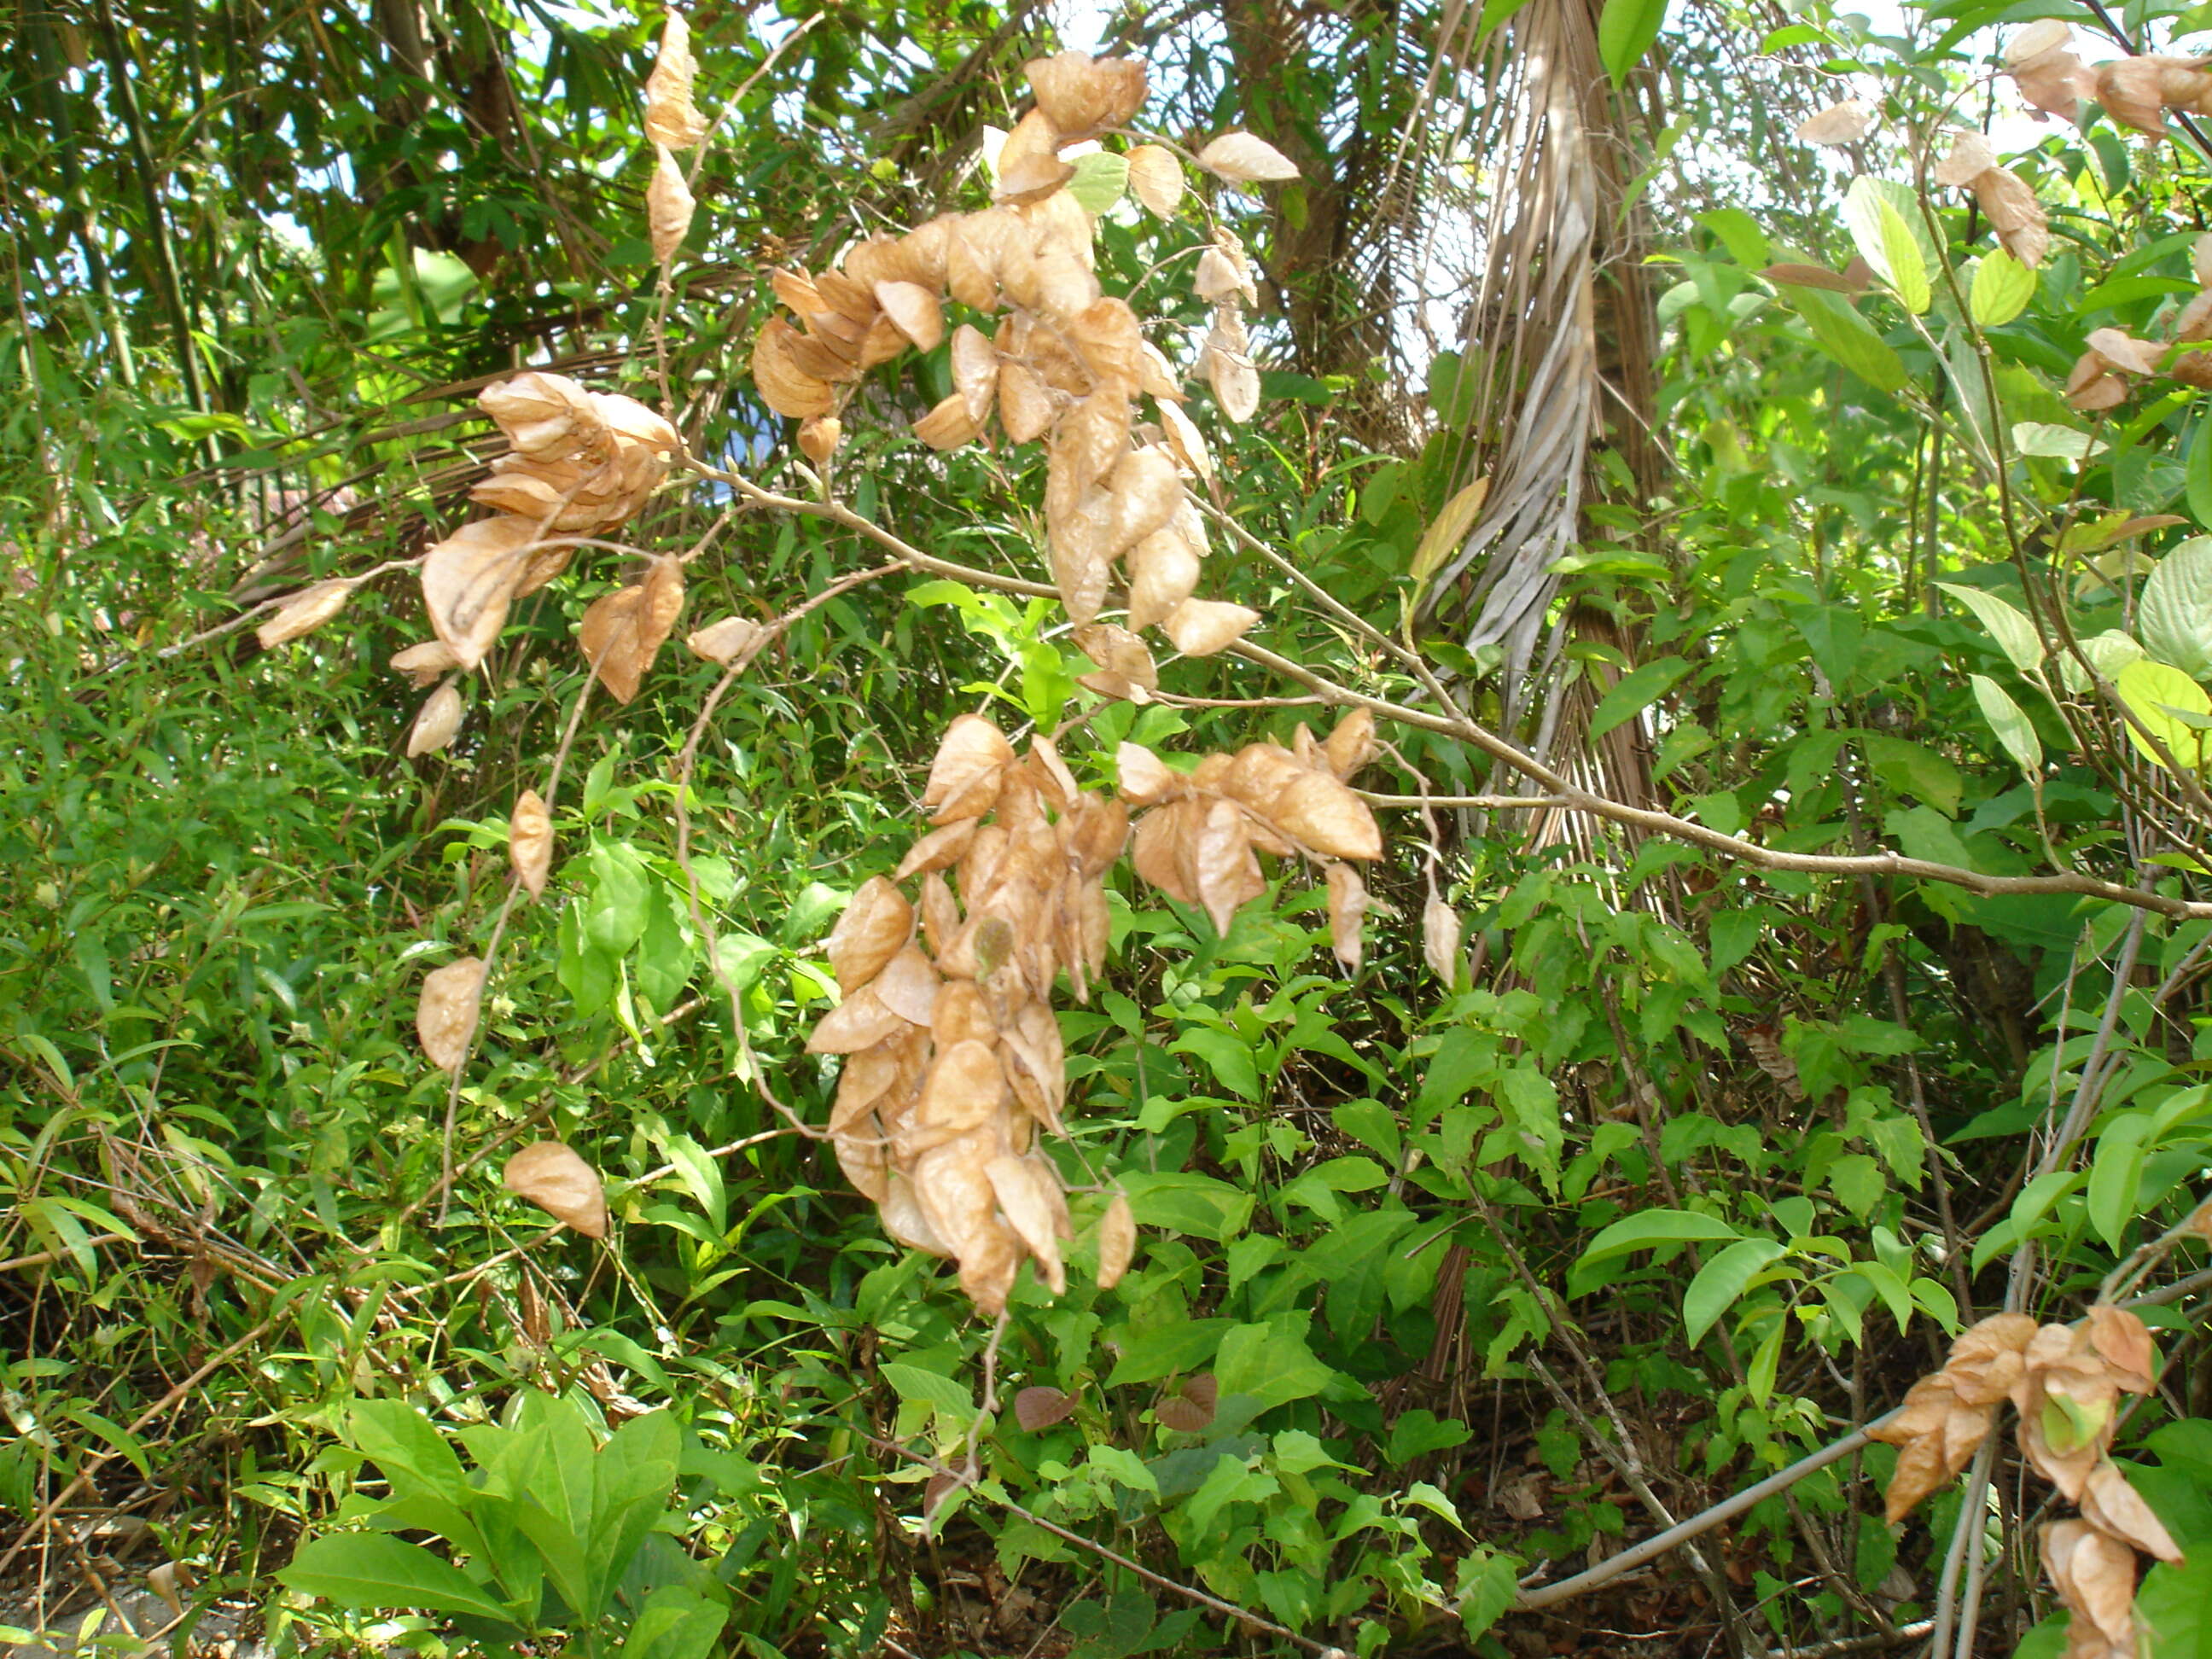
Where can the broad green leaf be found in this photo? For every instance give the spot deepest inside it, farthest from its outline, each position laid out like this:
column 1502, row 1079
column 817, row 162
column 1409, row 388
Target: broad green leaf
column 2175, row 615
column 403, row 1443
column 1649, row 1229
column 2115, row 1174
column 1848, row 337
column 1227, row 1056
column 2055, row 443
column 2198, row 475
column 2155, row 693
column 1634, row 692
column 2014, row 634
column 1100, row 180
column 2107, row 652
column 369, row 1569
column 1721, row 1280
column 1877, row 214
column 1625, row 30
column 2011, row 724
column 1914, row 769
column 675, row 1622
column 2001, row 289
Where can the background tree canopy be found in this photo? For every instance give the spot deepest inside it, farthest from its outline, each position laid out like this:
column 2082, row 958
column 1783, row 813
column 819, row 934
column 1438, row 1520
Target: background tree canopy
column 1730, row 1051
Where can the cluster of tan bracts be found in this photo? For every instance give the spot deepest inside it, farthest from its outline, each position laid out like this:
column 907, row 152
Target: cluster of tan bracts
column 954, row 1065
column 2065, row 1381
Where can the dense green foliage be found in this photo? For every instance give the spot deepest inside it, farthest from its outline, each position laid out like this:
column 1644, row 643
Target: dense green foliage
column 1693, row 1165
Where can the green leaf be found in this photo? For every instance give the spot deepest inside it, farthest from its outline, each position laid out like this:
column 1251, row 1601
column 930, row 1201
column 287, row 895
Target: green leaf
column 675, row 1622
column 1100, row 180
column 1721, row 1280
column 1197, row 1205
column 2011, row 724
column 2175, row 615
column 1848, row 337
column 1885, row 240
column 2001, row 289
column 2196, row 478
column 1227, row 1056
column 1634, row 692
column 1651, row 1228
column 2055, row 443
column 368, row 1570
column 1915, row 769
column 1625, row 31
column 2115, row 1174
column 1489, row 1583
column 2155, row 694
column 2010, row 626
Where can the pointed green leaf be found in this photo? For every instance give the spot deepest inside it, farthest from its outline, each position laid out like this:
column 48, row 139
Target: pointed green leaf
column 2155, row 694
column 1721, row 1280
column 2011, row 724
column 2175, row 618
column 2009, row 625
column 368, row 1570
column 2001, row 289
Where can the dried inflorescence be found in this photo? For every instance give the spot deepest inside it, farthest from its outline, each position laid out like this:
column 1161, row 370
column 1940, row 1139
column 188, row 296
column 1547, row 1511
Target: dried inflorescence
column 2065, row 1381
column 954, row 1063
column 1064, row 363
column 954, row 1059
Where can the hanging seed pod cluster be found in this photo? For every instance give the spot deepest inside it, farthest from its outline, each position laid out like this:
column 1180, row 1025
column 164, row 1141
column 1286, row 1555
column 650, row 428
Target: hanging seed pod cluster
column 2065, row 1381
column 1064, row 364
column 954, row 1062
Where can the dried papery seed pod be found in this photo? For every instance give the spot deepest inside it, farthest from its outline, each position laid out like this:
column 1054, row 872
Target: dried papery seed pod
column 948, row 425
column 2095, row 1578
column 940, row 850
column 908, row 987
column 2014, row 213
column 1117, row 1242
column 668, row 209
column 425, row 663
column 2124, row 1342
column 974, row 370
column 623, row 632
column 1164, row 572
column 1970, row 154
column 723, row 641
column 1325, row 816
column 971, row 750
column 304, row 612
column 1156, row 180
column 1224, row 872
column 551, row 1175
column 819, row 437
column 1029, row 1199
column 446, row 1014
column 1241, row 158
column 2113, row 1506
column 1227, row 365
column 1199, row 627
column 530, row 840
column 1351, row 744
column 1845, row 122
column 913, row 311
column 1028, row 162
column 1145, row 490
column 1218, row 277
column 1125, row 667
column 1185, row 442
column 671, row 117
column 1146, row 779
column 1440, row 937
column 1084, row 95
column 1025, row 407
column 1348, row 913
column 2048, row 74
column 875, row 926
column 436, row 722
column 783, row 386
column 469, row 579
column 860, row 1021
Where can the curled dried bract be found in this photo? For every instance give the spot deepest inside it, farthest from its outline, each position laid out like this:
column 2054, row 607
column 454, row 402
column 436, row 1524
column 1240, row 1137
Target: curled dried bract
column 436, row 721
column 530, row 840
column 671, row 117
column 304, row 612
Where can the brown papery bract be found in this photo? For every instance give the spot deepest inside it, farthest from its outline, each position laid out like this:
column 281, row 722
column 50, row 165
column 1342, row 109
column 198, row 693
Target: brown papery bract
column 623, row 631
column 530, row 842
column 553, row 1177
column 671, row 117
column 446, row 1014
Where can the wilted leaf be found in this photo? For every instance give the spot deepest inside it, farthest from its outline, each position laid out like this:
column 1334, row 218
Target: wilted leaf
column 425, row 663
column 304, row 612
column 468, row 580
column 1083, row 95
column 1347, row 912
column 446, row 1014
column 2112, row 1505
column 551, row 1175
column 530, row 840
column 1327, row 817
column 1199, row 627
column 1448, row 529
column 1241, row 158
